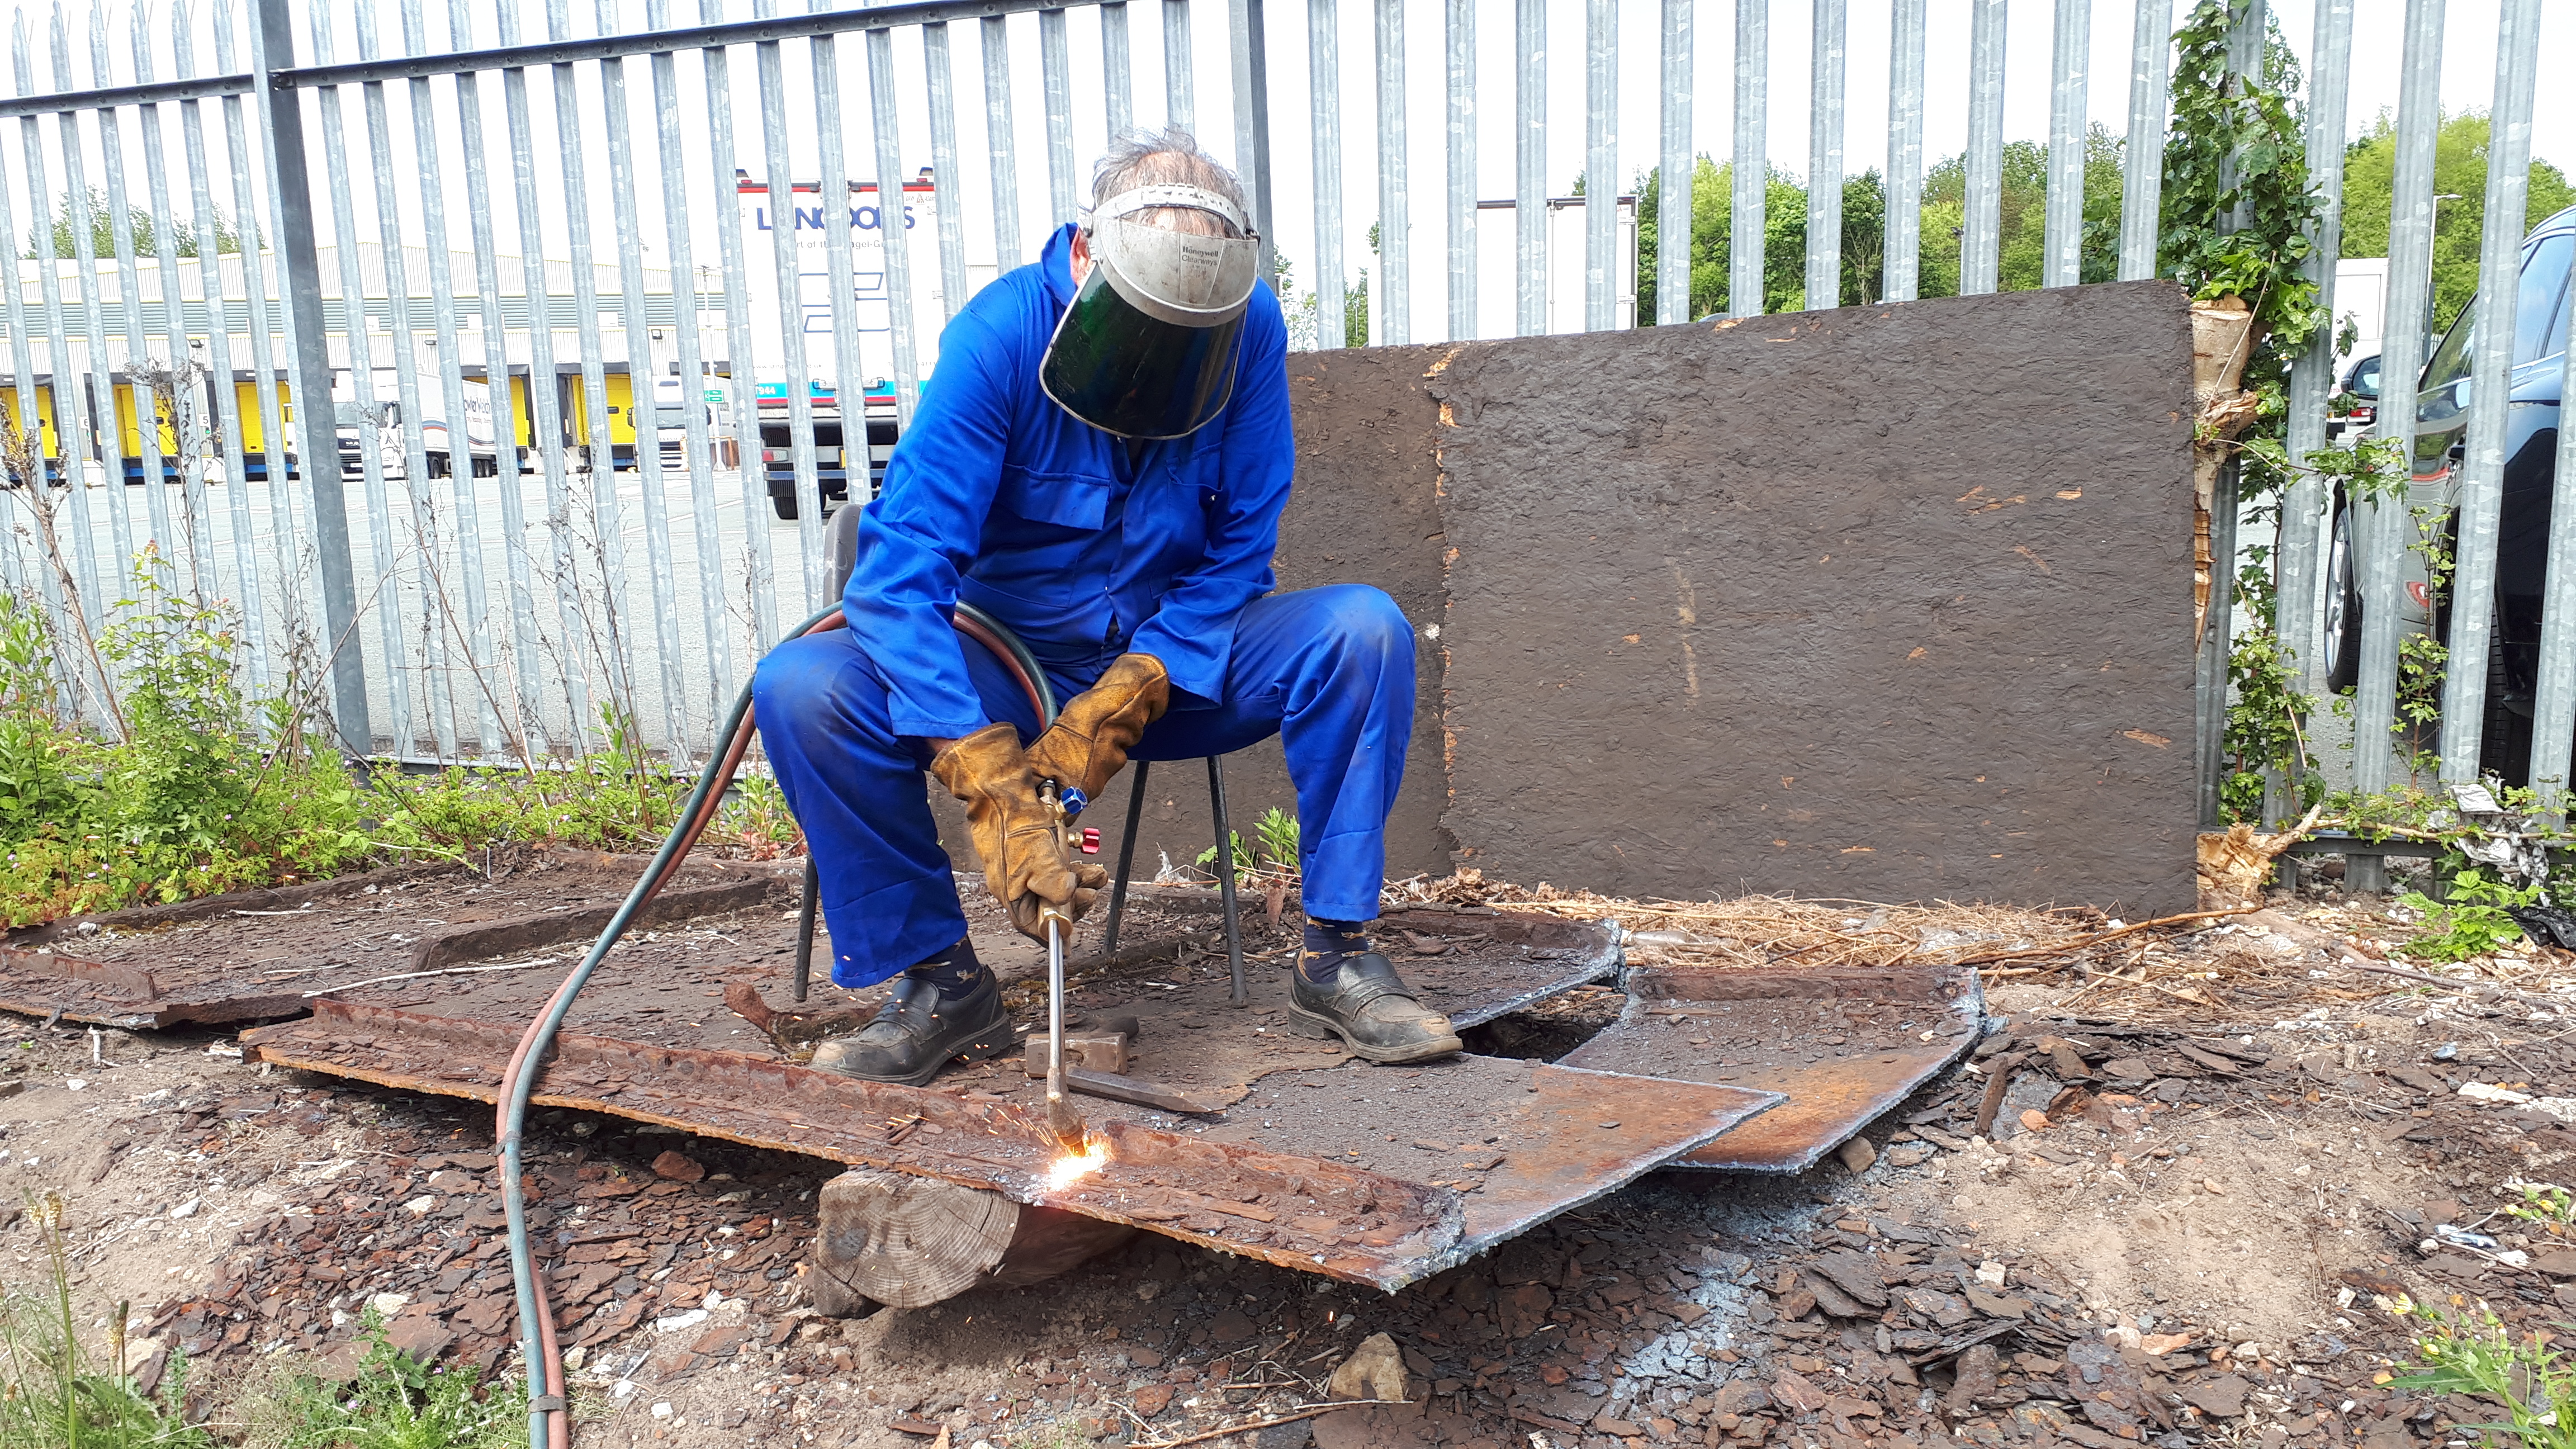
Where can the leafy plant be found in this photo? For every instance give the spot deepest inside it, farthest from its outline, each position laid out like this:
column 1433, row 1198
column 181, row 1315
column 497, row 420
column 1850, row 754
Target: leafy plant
column 397, row 1402
column 1277, row 833
column 2238, row 209
column 2474, row 1354
column 2472, row 922
column 54, row 1394
column 1244, row 863
column 36, row 750
column 2543, row 1202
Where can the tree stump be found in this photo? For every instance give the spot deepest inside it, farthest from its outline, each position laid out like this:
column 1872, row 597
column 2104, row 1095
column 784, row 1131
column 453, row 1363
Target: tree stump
column 909, row 1242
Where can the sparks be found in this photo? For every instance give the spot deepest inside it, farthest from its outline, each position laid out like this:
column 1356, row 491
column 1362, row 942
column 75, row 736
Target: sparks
column 1071, row 1168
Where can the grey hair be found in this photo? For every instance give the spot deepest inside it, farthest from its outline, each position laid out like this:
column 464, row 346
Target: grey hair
column 1172, row 157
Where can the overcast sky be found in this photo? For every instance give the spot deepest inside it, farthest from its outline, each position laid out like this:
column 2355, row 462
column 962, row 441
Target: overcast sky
column 2467, row 80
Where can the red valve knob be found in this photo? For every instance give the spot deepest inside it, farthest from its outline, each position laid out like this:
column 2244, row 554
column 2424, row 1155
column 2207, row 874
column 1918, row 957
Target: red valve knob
column 1090, row 840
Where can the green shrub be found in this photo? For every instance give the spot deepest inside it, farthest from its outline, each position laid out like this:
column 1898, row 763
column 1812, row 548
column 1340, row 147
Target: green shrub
column 2471, row 923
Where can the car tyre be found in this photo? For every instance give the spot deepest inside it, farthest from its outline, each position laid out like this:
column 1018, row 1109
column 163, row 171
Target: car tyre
column 784, row 505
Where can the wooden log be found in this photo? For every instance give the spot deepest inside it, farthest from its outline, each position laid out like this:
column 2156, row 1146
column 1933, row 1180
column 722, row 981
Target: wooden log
column 909, row 1242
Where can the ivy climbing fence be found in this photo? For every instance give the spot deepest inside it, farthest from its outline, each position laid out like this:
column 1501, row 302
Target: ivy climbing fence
column 597, row 355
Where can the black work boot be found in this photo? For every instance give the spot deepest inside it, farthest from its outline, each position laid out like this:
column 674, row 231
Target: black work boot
column 1371, row 1009
column 919, row 1030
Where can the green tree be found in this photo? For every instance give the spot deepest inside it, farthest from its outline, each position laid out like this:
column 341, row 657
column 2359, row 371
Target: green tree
column 2460, row 169
column 1945, row 189
column 102, row 231
column 1784, row 238
column 2022, row 217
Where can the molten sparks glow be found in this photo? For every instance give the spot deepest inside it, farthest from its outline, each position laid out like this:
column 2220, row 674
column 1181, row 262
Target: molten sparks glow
column 1071, row 1168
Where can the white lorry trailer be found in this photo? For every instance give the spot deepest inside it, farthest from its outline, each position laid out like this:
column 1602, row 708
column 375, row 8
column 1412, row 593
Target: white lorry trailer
column 854, row 417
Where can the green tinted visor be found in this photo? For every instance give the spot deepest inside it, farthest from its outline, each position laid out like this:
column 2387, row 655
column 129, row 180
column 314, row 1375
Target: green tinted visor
column 1123, row 370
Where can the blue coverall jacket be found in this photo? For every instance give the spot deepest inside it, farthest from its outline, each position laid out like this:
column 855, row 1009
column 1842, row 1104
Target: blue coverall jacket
column 1001, row 498
column 997, row 496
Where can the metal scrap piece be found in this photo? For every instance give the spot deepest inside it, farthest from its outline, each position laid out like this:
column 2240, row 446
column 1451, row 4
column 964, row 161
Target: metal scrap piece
column 1337, row 1220
column 1835, row 1082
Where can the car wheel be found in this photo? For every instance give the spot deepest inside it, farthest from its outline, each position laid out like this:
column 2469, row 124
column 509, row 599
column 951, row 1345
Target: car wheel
column 2504, row 748
column 784, row 505
column 2343, row 604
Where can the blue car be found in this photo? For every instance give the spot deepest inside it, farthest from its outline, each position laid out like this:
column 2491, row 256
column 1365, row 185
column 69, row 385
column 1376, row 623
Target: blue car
column 2530, row 477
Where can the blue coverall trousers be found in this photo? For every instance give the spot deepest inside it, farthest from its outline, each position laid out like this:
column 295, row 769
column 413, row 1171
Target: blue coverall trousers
column 1329, row 670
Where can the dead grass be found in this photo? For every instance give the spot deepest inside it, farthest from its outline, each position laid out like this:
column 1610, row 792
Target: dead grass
column 1775, row 931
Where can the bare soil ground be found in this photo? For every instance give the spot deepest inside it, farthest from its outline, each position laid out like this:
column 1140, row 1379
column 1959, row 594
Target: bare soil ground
column 2166, row 1207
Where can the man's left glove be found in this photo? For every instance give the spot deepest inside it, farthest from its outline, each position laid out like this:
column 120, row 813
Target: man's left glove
column 1018, row 836
column 1088, row 743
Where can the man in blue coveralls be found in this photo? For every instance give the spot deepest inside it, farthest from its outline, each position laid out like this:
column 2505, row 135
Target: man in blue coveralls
column 1100, row 463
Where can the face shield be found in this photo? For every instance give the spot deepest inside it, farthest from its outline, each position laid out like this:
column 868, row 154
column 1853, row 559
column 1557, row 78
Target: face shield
column 1147, row 350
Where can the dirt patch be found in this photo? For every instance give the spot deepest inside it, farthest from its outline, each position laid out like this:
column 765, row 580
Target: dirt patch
column 1965, row 1286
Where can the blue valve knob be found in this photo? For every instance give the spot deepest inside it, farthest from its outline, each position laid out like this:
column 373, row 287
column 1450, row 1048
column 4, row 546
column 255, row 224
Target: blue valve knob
column 1073, row 801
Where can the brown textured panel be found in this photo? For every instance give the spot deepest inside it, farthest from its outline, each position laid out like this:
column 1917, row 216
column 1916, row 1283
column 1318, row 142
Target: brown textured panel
column 1365, row 509
column 1888, row 602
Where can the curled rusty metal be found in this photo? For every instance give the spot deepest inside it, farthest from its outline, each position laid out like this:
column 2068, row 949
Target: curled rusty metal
column 1869, row 1039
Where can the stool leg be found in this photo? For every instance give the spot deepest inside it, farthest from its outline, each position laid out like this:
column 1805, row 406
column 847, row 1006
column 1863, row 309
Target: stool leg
column 1126, row 856
column 805, row 925
column 1225, row 877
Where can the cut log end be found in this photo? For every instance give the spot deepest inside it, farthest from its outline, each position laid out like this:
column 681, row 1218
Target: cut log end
column 909, row 1242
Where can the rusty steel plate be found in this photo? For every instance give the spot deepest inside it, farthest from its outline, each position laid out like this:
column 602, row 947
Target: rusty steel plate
column 1251, row 1190
column 1842, row 1046
column 1473, row 965
column 1523, row 1139
column 260, row 955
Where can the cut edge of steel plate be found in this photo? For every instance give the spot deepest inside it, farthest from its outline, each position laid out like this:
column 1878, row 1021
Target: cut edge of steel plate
column 1600, row 960
column 776, row 1106
column 45, row 981
column 1827, row 1105
column 1603, row 1179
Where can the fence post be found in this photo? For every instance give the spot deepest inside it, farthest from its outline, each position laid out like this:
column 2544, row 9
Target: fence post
column 2244, row 59
column 281, row 120
column 1251, row 43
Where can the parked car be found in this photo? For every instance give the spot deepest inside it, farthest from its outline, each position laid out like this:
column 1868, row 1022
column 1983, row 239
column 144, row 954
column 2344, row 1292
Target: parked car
column 2443, row 409
column 2355, row 404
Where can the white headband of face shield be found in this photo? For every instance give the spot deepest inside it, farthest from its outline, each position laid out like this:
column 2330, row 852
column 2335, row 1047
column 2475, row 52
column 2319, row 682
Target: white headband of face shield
column 1160, row 194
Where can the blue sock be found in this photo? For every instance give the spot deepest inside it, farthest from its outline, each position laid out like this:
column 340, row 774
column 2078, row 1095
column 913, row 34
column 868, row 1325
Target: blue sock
column 955, row 971
column 1328, row 944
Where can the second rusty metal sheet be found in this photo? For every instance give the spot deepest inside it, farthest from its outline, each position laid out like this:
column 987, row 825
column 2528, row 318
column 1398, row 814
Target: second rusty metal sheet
column 267, row 954
column 1842, row 1047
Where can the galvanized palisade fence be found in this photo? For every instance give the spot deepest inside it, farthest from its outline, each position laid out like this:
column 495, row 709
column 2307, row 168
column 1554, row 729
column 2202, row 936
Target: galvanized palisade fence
column 472, row 619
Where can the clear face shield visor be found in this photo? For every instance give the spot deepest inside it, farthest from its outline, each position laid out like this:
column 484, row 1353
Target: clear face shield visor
column 1147, row 349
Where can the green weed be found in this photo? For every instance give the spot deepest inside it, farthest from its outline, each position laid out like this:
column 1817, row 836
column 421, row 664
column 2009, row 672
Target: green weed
column 199, row 789
column 393, row 1402
column 54, row 1394
column 2473, row 1353
column 2471, row 923
column 1276, row 836
column 1277, row 833
column 2542, row 1202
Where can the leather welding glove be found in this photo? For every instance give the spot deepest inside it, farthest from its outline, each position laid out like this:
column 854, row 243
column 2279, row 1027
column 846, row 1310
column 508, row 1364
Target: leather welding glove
column 1018, row 837
column 1088, row 743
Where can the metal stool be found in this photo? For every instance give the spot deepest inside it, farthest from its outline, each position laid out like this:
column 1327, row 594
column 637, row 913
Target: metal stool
column 1224, row 875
